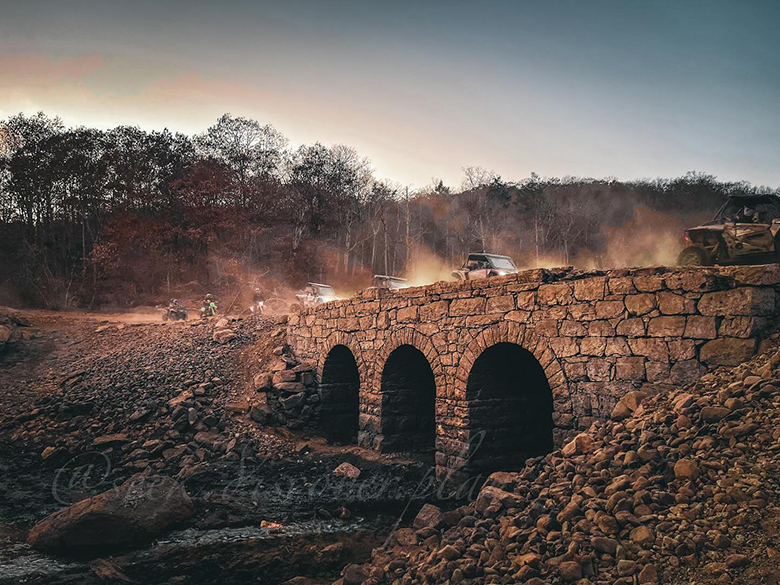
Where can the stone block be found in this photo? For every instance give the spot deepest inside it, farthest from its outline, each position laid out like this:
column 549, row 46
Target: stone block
column 633, row 327
column 383, row 320
column 481, row 320
column 739, row 301
column 696, row 280
column 652, row 349
column 609, row 309
column 617, row 346
column 699, row 327
column 525, row 300
column 767, row 274
column 564, row 346
column 434, row 311
column 467, row 306
column 727, row 351
column 593, row 346
column 681, row 349
column 621, row 285
column 557, row 312
column 630, row 368
column 573, row 329
column 518, row 316
column 640, row 304
column 648, row 284
column 500, row 304
column 582, row 312
column 686, row 371
column 601, row 329
column 555, row 294
column 743, row 327
column 599, row 370
column 575, row 371
column 284, row 376
column 673, row 304
column 590, row 289
column 667, row 326
column 657, row 371
column 547, row 327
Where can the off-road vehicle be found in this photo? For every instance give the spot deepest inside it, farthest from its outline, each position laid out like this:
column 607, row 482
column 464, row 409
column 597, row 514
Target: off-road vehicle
column 483, row 265
column 174, row 311
column 316, row 293
column 389, row 282
column 744, row 230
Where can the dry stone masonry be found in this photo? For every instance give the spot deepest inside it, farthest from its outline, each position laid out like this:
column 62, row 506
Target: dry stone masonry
column 507, row 367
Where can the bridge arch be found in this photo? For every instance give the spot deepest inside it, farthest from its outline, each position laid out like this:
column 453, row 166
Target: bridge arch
column 505, row 380
column 340, row 370
column 408, row 382
column 510, row 332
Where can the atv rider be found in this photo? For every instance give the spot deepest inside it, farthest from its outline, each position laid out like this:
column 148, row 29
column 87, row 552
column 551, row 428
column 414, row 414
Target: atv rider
column 209, row 308
column 747, row 215
column 175, row 311
column 175, row 308
column 258, row 301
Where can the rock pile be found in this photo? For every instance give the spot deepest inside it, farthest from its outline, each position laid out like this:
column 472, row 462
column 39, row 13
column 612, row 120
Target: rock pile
column 10, row 322
column 151, row 397
column 286, row 394
column 675, row 483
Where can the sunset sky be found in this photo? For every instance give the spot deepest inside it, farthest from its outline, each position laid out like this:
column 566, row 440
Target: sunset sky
column 599, row 88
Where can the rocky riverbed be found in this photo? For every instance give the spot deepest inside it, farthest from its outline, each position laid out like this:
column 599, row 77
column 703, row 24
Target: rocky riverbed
column 676, row 488
column 96, row 405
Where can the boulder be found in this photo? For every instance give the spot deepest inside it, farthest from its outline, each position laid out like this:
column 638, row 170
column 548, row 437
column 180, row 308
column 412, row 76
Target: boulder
column 490, row 494
column 714, row 413
column 5, row 335
column 134, row 513
column 260, row 413
column 504, row 480
column 579, row 445
column 727, row 351
column 429, row 516
column 107, row 440
column 292, row 402
column 570, row 571
column 737, row 561
column 604, row 545
column 224, row 335
column 347, row 470
column 262, row 382
column 686, row 469
column 354, row 575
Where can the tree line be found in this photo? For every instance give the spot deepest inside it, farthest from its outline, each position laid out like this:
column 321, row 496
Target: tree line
column 124, row 216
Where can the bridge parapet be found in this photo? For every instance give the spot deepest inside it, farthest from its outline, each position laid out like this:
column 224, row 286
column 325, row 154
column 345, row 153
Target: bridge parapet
column 597, row 335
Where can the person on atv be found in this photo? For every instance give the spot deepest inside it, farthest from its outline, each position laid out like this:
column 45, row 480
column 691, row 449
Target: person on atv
column 747, row 215
column 175, row 311
column 209, row 308
column 175, row 307
column 258, row 301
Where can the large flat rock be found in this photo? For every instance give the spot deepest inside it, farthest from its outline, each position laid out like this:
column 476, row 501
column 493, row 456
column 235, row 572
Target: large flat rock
column 134, row 513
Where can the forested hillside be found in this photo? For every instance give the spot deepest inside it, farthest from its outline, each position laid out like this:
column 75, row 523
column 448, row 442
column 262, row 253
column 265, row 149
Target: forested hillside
column 124, row 216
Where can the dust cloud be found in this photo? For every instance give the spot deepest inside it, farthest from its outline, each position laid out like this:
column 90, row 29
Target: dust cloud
column 427, row 267
column 649, row 238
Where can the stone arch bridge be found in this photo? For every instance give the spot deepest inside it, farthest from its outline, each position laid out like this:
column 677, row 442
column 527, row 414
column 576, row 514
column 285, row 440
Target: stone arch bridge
column 488, row 372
